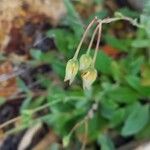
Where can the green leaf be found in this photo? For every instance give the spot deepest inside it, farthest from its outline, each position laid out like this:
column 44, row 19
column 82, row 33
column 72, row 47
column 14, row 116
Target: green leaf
column 47, row 57
column 100, row 14
column 105, row 142
column 136, row 64
column 70, row 9
column 2, row 100
column 125, row 11
column 134, row 82
column 118, row 117
column 103, row 62
column 60, row 40
column 123, row 95
column 147, row 7
column 26, row 116
column 136, row 120
column 145, row 132
column 59, row 68
column 36, row 54
column 37, row 102
column 98, row 2
column 145, row 81
column 145, row 21
column 65, row 44
column 73, row 19
column 22, row 85
column 116, row 71
column 59, row 121
column 120, row 44
column 95, row 126
column 26, row 103
column 108, row 108
column 141, row 43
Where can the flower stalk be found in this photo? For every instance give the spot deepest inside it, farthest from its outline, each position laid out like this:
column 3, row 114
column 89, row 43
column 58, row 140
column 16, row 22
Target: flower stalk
column 92, row 39
column 98, row 41
column 86, row 63
column 83, row 37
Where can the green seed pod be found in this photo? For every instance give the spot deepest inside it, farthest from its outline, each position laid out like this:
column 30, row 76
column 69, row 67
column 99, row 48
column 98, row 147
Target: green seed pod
column 89, row 76
column 85, row 61
column 71, row 70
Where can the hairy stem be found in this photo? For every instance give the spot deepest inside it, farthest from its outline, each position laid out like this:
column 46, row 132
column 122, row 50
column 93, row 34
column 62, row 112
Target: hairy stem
column 132, row 21
column 83, row 37
column 92, row 39
column 98, row 41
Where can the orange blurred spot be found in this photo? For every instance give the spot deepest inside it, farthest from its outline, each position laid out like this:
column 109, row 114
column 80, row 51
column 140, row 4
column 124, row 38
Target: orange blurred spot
column 113, row 52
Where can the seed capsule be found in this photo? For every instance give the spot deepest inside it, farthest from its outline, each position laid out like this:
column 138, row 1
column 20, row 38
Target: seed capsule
column 71, row 70
column 85, row 61
column 89, row 76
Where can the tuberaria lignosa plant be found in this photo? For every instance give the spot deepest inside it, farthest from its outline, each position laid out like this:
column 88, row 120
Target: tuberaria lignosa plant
column 86, row 63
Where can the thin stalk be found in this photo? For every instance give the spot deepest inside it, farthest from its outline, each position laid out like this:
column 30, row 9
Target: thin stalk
column 132, row 21
column 76, row 126
column 92, row 39
column 98, row 41
column 10, row 122
column 83, row 37
column 85, row 136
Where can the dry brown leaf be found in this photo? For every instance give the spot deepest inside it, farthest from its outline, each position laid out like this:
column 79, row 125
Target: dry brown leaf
column 87, row 7
column 10, row 11
column 27, row 138
column 2, row 134
column 18, row 58
column 54, row 9
column 7, row 86
column 16, row 43
column 49, row 139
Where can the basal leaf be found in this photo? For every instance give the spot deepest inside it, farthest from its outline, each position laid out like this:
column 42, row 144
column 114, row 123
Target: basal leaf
column 105, row 142
column 103, row 62
column 136, row 120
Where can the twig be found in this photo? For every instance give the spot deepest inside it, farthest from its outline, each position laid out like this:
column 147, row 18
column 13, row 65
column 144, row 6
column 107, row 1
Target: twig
column 10, row 122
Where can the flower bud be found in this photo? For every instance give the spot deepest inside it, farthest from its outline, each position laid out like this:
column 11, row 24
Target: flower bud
column 89, row 76
column 71, row 70
column 85, row 61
